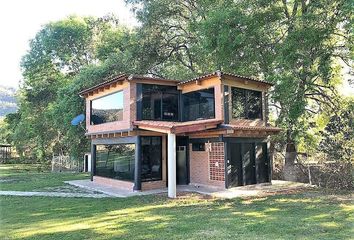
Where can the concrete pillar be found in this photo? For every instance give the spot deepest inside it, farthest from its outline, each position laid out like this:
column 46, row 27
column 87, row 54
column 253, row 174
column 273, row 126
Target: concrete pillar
column 171, row 165
column 137, row 170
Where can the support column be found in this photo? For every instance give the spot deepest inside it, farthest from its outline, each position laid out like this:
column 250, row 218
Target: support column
column 93, row 160
column 137, row 163
column 171, row 165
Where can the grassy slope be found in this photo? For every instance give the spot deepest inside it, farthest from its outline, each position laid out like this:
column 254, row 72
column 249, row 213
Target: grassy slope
column 298, row 216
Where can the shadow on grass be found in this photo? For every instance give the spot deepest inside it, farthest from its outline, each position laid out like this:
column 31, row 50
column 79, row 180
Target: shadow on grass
column 155, row 217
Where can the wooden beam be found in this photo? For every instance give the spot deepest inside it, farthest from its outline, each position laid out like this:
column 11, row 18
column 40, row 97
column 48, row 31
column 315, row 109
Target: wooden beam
column 155, row 129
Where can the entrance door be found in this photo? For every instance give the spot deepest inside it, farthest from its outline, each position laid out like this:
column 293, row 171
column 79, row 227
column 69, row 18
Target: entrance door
column 182, row 160
column 86, row 164
column 249, row 164
column 181, row 165
column 234, row 165
column 262, row 163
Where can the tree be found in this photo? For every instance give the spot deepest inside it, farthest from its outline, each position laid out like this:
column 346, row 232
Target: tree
column 295, row 44
column 48, row 98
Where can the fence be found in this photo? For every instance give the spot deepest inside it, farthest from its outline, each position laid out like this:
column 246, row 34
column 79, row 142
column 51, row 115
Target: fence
column 62, row 163
column 5, row 152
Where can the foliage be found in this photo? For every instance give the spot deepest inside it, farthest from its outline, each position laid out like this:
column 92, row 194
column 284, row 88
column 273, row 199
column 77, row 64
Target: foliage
column 65, row 57
column 338, row 135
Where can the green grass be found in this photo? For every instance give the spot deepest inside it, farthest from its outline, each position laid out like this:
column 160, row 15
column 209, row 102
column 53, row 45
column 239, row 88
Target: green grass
column 25, row 177
column 306, row 215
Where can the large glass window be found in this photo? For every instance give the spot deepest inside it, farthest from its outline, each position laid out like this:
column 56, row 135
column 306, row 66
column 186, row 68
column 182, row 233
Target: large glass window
column 199, row 105
column 115, row 161
column 246, row 103
column 107, row 109
column 159, row 102
column 151, row 155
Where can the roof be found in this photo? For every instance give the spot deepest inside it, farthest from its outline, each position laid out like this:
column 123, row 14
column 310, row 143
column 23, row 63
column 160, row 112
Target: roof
column 111, row 80
column 220, row 74
column 121, row 77
column 5, row 145
column 254, row 128
column 177, row 127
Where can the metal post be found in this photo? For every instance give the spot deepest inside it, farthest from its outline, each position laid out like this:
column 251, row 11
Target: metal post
column 137, row 171
column 93, row 160
column 171, row 165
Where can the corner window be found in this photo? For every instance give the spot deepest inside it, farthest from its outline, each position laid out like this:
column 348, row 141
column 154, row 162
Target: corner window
column 116, row 161
column 108, row 108
column 246, row 104
column 151, row 157
column 199, row 147
column 159, row 102
column 199, row 105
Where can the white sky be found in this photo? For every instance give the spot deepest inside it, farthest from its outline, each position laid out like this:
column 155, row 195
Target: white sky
column 20, row 20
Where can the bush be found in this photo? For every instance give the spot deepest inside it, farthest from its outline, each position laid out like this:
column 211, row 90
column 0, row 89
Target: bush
column 338, row 175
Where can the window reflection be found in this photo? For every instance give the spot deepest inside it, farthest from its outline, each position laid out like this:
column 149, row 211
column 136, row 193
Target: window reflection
column 159, row 102
column 246, row 103
column 107, row 109
column 199, row 105
column 151, row 158
column 115, row 161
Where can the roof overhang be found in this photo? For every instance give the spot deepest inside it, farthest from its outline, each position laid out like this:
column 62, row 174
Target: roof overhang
column 222, row 75
column 177, row 127
column 119, row 79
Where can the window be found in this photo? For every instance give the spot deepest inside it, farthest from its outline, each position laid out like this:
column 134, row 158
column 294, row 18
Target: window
column 199, row 105
column 115, row 161
column 159, row 102
column 198, row 146
column 246, row 103
column 107, row 109
column 151, row 155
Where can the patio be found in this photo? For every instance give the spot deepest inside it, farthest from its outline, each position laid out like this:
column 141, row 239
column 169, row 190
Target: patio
column 277, row 187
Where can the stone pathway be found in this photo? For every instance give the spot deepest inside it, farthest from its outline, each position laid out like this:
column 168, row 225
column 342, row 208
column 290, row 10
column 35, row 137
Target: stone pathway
column 88, row 189
column 53, row 194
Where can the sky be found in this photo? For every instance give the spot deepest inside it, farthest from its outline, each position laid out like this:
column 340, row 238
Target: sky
column 20, row 20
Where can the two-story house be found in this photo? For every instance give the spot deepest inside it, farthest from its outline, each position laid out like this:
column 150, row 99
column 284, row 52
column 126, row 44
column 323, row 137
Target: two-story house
column 149, row 133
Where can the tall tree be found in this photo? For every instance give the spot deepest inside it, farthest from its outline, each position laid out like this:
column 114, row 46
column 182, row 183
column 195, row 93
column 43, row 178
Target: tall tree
column 295, row 44
column 58, row 53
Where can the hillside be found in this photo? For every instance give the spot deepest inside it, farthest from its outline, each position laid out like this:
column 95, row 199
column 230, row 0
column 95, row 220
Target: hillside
column 7, row 100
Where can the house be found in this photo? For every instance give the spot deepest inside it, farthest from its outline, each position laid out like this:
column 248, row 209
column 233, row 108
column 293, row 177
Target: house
column 149, row 133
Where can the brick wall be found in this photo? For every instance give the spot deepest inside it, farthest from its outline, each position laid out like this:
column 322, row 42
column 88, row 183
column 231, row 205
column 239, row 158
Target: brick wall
column 153, row 185
column 201, row 172
column 114, row 182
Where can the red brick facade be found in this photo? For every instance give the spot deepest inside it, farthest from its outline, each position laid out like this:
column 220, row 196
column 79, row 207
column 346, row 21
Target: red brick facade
column 203, row 169
column 206, row 167
column 114, row 182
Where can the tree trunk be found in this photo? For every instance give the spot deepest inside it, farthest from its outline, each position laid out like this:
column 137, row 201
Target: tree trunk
column 289, row 166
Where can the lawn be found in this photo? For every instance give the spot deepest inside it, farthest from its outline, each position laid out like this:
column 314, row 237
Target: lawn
column 304, row 215
column 25, row 177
